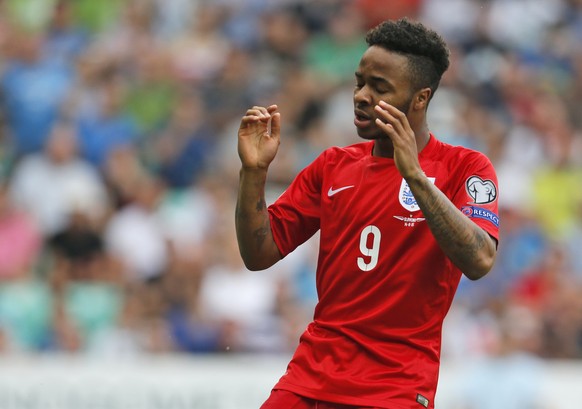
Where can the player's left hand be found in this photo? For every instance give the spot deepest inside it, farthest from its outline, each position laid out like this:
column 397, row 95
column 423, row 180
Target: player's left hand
column 395, row 124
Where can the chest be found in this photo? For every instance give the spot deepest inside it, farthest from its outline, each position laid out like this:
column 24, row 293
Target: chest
column 374, row 193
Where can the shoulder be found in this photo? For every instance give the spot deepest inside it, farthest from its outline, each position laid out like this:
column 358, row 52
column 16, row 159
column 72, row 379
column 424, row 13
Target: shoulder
column 458, row 155
column 355, row 151
column 334, row 157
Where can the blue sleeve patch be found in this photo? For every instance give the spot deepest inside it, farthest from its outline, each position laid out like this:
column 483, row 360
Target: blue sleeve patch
column 480, row 213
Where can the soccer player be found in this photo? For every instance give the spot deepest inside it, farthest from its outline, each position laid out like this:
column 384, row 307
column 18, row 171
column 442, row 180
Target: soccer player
column 401, row 216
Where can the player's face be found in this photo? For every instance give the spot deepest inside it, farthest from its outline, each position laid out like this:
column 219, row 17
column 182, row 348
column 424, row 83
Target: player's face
column 382, row 75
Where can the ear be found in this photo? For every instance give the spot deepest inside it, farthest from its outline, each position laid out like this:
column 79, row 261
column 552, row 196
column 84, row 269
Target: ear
column 420, row 102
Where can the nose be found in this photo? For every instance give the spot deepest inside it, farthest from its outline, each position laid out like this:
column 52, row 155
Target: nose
column 362, row 96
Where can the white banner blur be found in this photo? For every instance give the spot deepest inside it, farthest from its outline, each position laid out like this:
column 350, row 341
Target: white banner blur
column 203, row 382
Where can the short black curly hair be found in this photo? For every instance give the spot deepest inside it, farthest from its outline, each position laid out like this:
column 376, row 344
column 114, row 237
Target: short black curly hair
column 427, row 52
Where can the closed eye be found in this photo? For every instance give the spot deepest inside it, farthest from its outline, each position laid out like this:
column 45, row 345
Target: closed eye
column 378, row 84
column 359, row 80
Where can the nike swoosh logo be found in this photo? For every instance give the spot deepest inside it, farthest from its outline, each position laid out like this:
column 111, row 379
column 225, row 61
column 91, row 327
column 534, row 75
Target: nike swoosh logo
column 332, row 192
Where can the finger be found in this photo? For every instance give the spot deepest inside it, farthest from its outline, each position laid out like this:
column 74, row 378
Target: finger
column 276, row 125
column 260, row 109
column 254, row 115
column 396, row 116
column 249, row 119
column 387, row 128
column 387, row 122
column 258, row 112
column 262, row 112
column 389, row 119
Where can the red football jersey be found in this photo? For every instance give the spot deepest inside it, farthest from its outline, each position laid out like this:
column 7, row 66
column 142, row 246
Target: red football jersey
column 383, row 283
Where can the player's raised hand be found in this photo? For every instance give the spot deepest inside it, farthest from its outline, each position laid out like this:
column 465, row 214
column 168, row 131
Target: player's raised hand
column 395, row 124
column 259, row 137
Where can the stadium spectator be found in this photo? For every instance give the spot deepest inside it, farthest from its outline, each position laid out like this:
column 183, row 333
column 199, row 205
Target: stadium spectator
column 152, row 92
column 20, row 239
column 65, row 39
column 33, row 87
column 242, row 303
column 106, row 126
column 330, row 54
column 133, row 235
column 53, row 183
column 183, row 148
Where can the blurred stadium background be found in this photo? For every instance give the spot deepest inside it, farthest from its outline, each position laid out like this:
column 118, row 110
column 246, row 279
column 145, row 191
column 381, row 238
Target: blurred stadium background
column 120, row 281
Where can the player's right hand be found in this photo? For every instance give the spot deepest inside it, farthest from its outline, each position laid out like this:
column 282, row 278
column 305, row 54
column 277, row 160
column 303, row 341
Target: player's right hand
column 259, row 137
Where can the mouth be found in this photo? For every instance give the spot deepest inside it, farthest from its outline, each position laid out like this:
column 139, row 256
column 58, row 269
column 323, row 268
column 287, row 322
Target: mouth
column 362, row 119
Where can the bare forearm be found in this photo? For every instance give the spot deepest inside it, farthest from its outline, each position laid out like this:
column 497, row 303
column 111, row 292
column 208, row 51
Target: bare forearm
column 253, row 229
column 468, row 246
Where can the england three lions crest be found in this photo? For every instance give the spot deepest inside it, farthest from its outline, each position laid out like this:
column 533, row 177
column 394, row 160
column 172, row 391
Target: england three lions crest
column 406, row 197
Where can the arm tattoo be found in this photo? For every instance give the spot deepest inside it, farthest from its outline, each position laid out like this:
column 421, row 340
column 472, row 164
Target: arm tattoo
column 261, row 205
column 460, row 239
column 260, row 235
column 262, row 232
column 447, row 227
column 253, row 226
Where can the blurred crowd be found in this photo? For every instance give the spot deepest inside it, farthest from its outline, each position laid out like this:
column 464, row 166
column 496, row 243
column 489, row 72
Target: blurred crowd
column 119, row 168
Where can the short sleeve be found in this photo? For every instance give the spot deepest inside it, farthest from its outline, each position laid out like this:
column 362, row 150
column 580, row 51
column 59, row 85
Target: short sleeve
column 295, row 215
column 477, row 193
